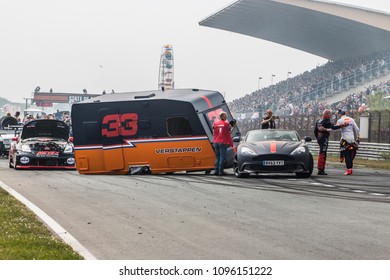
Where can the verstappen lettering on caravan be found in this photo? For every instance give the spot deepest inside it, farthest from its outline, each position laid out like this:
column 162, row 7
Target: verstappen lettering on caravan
column 154, row 131
column 179, row 150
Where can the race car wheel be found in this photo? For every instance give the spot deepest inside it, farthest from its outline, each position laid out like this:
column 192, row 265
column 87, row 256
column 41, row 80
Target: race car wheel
column 12, row 163
column 7, row 121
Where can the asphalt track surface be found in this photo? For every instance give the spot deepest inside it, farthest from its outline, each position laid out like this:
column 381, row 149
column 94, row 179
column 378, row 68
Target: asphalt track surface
column 200, row 217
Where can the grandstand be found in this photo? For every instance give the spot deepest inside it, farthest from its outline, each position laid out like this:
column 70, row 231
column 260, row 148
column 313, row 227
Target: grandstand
column 355, row 41
column 329, row 83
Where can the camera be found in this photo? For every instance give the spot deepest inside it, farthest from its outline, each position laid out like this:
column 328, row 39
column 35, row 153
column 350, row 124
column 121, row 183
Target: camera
column 233, row 122
column 275, row 117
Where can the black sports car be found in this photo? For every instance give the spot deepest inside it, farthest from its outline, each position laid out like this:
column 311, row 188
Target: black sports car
column 273, row 151
column 43, row 144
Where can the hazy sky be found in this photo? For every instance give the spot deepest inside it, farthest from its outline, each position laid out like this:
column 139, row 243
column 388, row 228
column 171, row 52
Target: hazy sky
column 116, row 44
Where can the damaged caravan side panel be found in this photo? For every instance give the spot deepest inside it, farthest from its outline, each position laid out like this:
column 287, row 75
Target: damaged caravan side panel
column 152, row 132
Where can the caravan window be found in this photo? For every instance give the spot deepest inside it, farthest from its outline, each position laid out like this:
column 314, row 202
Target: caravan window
column 178, row 126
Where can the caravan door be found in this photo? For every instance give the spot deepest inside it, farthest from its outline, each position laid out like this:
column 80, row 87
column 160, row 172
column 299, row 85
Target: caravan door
column 112, row 139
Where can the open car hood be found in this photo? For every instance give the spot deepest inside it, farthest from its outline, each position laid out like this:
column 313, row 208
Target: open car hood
column 45, row 129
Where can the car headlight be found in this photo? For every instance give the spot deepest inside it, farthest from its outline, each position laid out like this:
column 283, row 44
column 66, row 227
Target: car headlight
column 247, row 151
column 26, row 149
column 298, row 151
column 68, row 149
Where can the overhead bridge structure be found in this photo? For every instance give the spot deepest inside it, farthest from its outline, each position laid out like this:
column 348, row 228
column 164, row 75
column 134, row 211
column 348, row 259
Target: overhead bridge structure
column 327, row 29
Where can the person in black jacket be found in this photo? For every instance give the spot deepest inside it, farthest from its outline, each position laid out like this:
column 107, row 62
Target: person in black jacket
column 321, row 131
column 268, row 121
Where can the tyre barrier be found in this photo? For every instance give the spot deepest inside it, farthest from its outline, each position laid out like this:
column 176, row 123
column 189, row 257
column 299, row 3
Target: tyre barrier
column 7, row 121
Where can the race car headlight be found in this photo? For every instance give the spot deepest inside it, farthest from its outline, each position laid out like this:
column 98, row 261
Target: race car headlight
column 68, row 149
column 247, row 151
column 298, row 151
column 26, row 149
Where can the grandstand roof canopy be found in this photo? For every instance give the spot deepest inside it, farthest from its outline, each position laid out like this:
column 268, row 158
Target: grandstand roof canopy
column 327, row 29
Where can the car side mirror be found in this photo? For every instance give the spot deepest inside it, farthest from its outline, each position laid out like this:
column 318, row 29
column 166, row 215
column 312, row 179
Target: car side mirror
column 308, row 139
column 236, row 139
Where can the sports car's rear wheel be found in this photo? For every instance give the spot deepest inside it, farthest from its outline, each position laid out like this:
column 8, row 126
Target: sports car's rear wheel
column 309, row 172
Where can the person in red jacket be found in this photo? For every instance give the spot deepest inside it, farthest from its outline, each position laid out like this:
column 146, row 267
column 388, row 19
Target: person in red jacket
column 222, row 140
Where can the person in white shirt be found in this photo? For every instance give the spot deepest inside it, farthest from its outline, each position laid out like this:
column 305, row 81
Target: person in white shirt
column 350, row 138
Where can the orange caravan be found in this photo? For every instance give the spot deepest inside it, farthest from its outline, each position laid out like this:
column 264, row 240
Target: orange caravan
column 148, row 132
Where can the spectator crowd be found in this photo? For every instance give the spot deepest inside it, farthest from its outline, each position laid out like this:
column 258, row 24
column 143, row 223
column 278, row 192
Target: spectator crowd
column 302, row 94
column 63, row 116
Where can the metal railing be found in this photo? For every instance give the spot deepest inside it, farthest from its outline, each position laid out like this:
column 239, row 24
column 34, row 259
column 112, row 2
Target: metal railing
column 375, row 151
column 375, row 146
column 378, row 125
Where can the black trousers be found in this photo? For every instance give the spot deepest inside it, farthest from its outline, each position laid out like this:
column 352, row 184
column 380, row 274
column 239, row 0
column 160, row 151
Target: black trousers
column 348, row 151
column 349, row 155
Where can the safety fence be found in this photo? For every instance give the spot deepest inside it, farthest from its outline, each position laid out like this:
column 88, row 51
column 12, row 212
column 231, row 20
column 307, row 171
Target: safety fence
column 374, row 125
column 375, row 151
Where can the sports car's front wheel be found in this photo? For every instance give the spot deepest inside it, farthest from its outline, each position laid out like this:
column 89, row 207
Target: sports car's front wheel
column 238, row 174
column 309, row 172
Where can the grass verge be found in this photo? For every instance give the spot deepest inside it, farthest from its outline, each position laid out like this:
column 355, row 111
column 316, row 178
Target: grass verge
column 24, row 237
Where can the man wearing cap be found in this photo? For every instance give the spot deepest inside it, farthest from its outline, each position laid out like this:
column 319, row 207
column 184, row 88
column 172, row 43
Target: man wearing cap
column 222, row 140
column 348, row 142
column 321, row 132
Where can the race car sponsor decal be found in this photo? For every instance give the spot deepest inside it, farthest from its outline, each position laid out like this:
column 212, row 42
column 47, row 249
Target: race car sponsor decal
column 47, row 154
column 179, row 150
column 24, row 160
